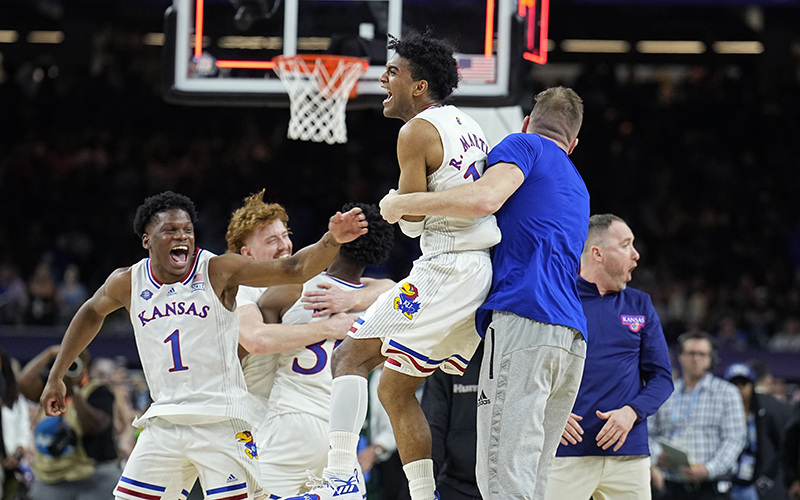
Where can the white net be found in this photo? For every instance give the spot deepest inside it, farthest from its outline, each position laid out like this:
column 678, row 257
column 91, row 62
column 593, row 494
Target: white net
column 318, row 88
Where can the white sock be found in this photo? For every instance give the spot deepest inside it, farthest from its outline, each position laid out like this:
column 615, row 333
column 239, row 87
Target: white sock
column 421, row 483
column 349, row 395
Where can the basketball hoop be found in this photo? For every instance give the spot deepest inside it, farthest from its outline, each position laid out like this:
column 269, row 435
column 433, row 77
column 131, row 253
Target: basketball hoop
column 319, row 87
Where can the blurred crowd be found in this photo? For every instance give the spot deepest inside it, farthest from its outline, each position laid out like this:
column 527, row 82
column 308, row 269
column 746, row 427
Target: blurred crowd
column 699, row 160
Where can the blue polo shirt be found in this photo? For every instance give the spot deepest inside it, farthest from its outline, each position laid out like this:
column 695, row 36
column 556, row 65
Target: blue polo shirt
column 544, row 225
column 627, row 362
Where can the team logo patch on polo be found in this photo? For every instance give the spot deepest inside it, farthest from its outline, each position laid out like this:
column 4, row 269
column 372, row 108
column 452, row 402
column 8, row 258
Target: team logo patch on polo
column 246, row 437
column 634, row 322
column 146, row 294
column 406, row 302
column 197, row 283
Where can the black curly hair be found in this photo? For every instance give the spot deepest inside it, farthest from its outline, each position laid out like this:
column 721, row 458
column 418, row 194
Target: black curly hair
column 374, row 247
column 158, row 203
column 430, row 60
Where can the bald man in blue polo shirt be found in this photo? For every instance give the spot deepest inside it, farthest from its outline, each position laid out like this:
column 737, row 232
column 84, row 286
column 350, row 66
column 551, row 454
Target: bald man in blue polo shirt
column 626, row 378
column 533, row 322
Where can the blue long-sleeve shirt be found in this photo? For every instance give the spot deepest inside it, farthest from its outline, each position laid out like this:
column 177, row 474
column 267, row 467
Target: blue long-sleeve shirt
column 627, row 363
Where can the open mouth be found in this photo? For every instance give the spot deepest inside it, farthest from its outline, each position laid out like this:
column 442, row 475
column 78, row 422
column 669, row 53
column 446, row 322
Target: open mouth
column 179, row 255
column 388, row 98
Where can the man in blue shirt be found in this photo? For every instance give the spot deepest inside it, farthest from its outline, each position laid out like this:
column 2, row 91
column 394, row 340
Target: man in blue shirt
column 626, row 378
column 533, row 321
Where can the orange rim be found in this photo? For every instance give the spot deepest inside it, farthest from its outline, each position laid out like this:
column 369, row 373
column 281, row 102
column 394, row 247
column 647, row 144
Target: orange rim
column 330, row 61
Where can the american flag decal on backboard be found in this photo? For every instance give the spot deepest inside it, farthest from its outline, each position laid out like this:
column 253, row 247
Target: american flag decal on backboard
column 477, row 68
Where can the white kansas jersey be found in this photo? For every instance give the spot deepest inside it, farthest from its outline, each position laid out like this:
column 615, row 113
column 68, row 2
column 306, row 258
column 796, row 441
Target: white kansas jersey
column 259, row 369
column 465, row 153
column 187, row 343
column 303, row 377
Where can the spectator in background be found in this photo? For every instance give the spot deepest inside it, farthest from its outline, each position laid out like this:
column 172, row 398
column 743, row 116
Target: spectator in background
column 75, row 453
column 790, row 455
column 626, row 378
column 788, row 339
column 764, row 383
column 15, row 432
column 70, row 295
column 141, row 393
column 704, row 417
column 42, row 290
column 730, row 336
column 114, row 375
column 757, row 474
column 451, row 405
column 13, row 296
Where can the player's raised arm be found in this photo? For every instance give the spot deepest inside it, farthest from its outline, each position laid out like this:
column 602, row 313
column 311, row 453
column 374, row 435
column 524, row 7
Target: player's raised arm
column 85, row 325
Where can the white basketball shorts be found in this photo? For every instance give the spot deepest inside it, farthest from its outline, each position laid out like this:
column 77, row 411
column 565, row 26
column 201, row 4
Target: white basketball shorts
column 428, row 320
column 223, row 454
column 292, row 445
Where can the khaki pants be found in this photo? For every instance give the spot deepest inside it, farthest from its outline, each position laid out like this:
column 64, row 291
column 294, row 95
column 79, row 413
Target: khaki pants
column 601, row 478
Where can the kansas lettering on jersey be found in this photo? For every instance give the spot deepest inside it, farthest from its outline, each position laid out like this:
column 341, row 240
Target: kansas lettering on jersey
column 465, row 154
column 303, row 378
column 187, row 341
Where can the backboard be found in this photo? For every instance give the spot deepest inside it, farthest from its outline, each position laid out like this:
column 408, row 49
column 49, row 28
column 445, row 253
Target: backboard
column 220, row 51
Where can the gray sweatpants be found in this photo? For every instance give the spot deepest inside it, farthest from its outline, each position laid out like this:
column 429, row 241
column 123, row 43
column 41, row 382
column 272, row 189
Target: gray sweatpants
column 530, row 376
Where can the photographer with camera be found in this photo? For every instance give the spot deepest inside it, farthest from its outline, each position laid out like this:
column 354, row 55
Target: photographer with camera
column 75, row 457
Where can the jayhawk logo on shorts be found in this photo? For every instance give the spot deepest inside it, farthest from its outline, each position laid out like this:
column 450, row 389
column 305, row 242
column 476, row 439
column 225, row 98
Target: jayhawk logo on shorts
column 246, row 437
column 406, row 302
column 634, row 322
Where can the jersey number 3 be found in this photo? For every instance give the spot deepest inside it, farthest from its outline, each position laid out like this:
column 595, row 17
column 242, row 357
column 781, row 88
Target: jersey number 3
column 175, row 342
column 321, row 355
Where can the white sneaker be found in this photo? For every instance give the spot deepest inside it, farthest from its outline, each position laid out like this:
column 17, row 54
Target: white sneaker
column 334, row 488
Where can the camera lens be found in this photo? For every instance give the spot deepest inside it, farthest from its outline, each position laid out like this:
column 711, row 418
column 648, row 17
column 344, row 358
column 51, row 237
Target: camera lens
column 75, row 368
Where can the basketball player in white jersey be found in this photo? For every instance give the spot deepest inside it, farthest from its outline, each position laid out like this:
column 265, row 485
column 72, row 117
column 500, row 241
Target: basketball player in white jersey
column 260, row 231
column 296, row 431
column 182, row 304
column 427, row 321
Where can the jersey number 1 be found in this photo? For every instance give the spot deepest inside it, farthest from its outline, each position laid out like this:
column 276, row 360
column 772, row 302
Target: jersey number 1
column 175, row 342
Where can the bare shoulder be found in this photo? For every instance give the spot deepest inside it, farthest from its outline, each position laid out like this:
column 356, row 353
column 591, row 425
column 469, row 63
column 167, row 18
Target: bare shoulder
column 115, row 292
column 118, row 284
column 417, row 130
column 419, row 143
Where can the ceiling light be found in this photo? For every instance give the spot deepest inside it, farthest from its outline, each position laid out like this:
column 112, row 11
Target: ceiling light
column 154, row 39
column 749, row 47
column 596, row 46
column 45, row 37
column 8, row 36
column 670, row 47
